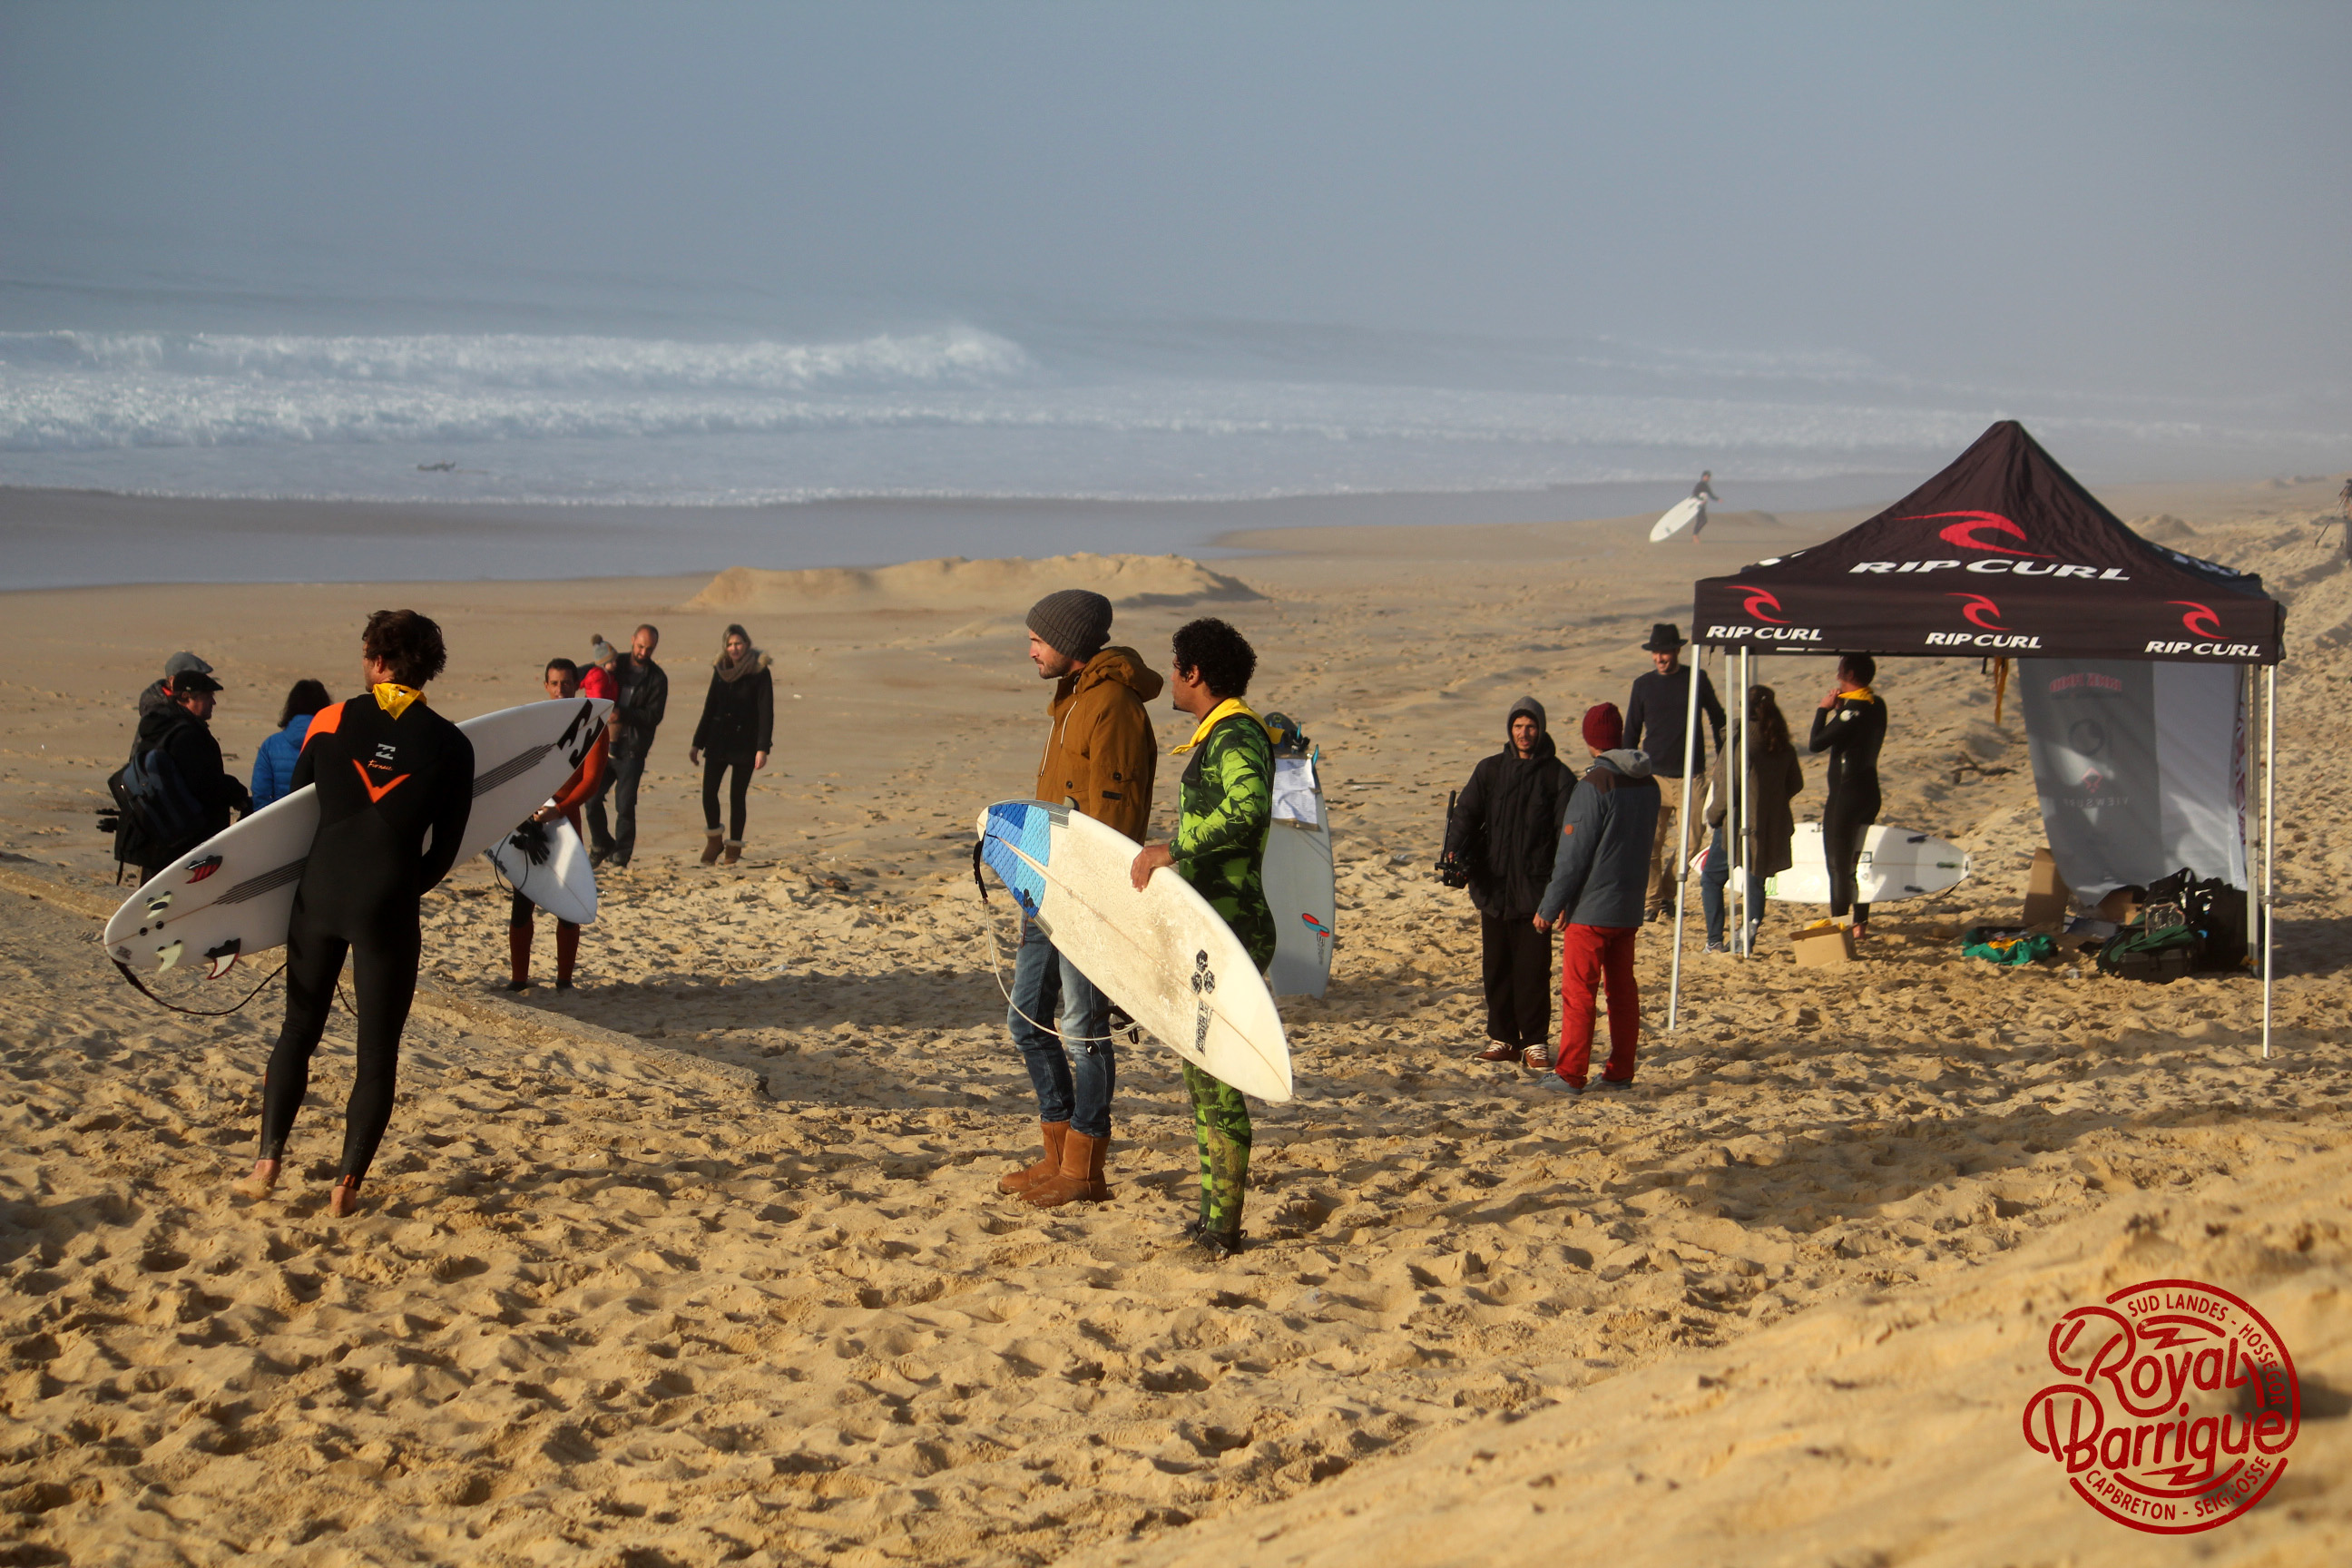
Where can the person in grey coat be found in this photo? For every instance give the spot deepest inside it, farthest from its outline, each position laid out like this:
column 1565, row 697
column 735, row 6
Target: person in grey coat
column 1600, row 875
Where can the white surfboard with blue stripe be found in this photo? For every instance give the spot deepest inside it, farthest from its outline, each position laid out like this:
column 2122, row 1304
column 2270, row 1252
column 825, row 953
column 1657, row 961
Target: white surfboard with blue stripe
column 1162, row 954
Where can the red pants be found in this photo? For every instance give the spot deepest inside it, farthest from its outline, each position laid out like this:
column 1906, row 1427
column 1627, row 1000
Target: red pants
column 1590, row 955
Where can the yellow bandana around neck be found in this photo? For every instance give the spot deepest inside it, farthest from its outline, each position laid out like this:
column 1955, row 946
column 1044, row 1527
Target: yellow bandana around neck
column 1217, row 715
column 395, row 699
column 1860, row 694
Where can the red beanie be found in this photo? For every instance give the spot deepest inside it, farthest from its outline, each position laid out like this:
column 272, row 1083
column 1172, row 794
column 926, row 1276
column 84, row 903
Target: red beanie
column 1604, row 727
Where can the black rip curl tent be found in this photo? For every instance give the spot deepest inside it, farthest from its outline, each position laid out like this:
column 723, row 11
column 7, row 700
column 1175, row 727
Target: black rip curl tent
column 2002, row 554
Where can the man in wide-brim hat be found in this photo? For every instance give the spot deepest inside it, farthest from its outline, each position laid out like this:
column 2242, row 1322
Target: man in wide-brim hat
column 1656, row 715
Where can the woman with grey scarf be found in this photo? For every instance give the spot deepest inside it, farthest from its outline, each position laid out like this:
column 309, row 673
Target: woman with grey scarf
column 737, row 729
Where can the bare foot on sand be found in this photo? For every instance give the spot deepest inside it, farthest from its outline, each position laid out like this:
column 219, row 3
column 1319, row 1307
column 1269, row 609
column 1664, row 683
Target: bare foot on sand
column 345, row 1202
column 258, row 1184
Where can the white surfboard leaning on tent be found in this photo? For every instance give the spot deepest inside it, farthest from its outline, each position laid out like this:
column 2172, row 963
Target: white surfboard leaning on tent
column 1683, row 515
column 1895, row 863
column 564, row 884
column 1300, row 887
column 233, row 895
column 1162, row 953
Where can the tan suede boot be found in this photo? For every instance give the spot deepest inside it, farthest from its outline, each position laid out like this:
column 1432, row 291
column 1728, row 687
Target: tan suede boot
column 710, row 848
column 1080, row 1179
column 1020, row 1181
column 734, row 851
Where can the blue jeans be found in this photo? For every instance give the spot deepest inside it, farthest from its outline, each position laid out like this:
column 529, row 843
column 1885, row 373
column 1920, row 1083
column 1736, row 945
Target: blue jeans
column 628, row 770
column 1715, row 879
column 1074, row 1075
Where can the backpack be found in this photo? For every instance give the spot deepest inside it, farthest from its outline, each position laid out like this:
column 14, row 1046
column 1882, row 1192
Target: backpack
column 157, row 816
column 2161, row 946
column 2213, row 909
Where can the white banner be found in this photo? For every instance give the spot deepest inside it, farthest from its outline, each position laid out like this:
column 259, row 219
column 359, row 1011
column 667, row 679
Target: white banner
column 2137, row 768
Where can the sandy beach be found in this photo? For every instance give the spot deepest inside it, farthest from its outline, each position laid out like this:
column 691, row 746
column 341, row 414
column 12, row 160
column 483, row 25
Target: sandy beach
column 703, row 1262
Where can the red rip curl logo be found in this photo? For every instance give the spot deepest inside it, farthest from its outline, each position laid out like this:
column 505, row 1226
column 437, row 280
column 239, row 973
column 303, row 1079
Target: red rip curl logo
column 1980, row 611
column 1962, row 535
column 1757, row 599
column 2196, row 612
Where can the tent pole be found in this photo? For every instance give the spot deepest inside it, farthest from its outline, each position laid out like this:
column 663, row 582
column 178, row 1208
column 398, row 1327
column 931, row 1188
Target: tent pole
column 2270, row 832
column 1747, row 819
column 1681, row 841
column 1735, row 842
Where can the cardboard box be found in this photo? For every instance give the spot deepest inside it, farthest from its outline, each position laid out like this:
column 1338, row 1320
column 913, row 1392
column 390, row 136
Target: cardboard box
column 2046, row 895
column 2120, row 907
column 1823, row 947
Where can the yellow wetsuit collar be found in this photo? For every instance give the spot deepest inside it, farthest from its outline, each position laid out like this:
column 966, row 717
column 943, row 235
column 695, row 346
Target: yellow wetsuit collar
column 395, row 699
column 1217, row 715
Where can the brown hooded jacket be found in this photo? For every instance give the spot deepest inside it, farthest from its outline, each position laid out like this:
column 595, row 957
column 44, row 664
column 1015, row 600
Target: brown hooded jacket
column 1101, row 753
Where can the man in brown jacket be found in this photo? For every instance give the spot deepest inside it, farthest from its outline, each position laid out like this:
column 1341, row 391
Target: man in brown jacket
column 1101, row 756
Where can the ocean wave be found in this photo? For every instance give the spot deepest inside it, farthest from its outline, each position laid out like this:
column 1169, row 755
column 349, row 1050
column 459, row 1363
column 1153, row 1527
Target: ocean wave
column 507, row 361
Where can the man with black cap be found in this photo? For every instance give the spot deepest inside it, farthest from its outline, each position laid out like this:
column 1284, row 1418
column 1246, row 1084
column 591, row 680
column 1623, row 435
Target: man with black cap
column 158, row 696
column 1656, row 715
column 180, row 727
column 1100, row 758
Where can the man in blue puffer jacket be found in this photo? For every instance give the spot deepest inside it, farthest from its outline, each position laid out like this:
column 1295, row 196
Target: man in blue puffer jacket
column 273, row 765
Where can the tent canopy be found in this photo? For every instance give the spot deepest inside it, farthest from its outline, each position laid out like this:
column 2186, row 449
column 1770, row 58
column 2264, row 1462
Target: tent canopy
column 2002, row 552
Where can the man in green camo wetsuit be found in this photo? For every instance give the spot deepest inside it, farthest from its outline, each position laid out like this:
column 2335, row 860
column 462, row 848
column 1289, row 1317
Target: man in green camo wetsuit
column 1226, row 810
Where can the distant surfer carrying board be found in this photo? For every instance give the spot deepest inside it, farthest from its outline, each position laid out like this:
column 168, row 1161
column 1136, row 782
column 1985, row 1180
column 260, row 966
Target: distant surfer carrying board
column 1703, row 493
column 1100, row 758
column 1225, row 809
column 395, row 784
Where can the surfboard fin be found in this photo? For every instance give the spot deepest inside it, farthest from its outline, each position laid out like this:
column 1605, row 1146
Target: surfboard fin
column 223, row 958
column 170, row 956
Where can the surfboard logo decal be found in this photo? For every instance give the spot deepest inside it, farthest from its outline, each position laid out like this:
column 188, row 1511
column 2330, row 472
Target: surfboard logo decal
column 1318, row 927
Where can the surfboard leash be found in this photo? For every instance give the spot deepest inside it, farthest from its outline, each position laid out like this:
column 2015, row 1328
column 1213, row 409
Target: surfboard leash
column 140, row 986
column 1133, row 1031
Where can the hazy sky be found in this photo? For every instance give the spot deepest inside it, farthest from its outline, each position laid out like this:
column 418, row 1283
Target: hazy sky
column 2149, row 197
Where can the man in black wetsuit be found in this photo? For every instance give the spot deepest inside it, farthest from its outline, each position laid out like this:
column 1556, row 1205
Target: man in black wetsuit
column 1851, row 726
column 389, row 771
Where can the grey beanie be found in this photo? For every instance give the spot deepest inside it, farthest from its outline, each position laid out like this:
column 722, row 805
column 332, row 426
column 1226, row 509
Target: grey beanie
column 181, row 664
column 1074, row 623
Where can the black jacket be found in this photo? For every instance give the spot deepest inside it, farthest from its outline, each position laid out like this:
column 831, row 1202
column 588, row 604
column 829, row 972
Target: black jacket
column 641, row 706
column 188, row 741
column 1851, row 731
column 739, row 717
column 1507, row 821
column 1655, row 713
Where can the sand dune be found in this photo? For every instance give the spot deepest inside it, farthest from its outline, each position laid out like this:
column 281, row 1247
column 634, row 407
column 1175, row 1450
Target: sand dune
column 1125, row 579
column 704, row 1263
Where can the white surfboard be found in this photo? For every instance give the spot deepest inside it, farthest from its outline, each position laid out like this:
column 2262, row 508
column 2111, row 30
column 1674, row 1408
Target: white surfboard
column 1690, row 515
column 1162, row 954
column 1299, row 885
column 564, row 884
column 1895, row 863
column 232, row 896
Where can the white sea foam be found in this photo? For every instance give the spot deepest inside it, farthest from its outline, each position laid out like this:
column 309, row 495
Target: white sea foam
column 956, row 411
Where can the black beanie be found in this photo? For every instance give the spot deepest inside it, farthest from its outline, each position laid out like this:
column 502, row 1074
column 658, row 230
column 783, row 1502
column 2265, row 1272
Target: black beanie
column 1074, row 623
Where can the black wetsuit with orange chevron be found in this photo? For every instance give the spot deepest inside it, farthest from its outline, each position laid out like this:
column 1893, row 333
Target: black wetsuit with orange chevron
column 393, row 790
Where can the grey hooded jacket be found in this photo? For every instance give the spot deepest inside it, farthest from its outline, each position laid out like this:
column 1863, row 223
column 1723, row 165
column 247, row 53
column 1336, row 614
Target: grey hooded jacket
column 1601, row 870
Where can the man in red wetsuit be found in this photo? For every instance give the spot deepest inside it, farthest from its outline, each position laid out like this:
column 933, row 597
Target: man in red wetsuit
column 563, row 679
column 395, row 784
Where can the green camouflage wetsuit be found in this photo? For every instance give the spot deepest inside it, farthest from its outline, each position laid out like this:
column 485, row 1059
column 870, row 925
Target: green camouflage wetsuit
column 1225, row 808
